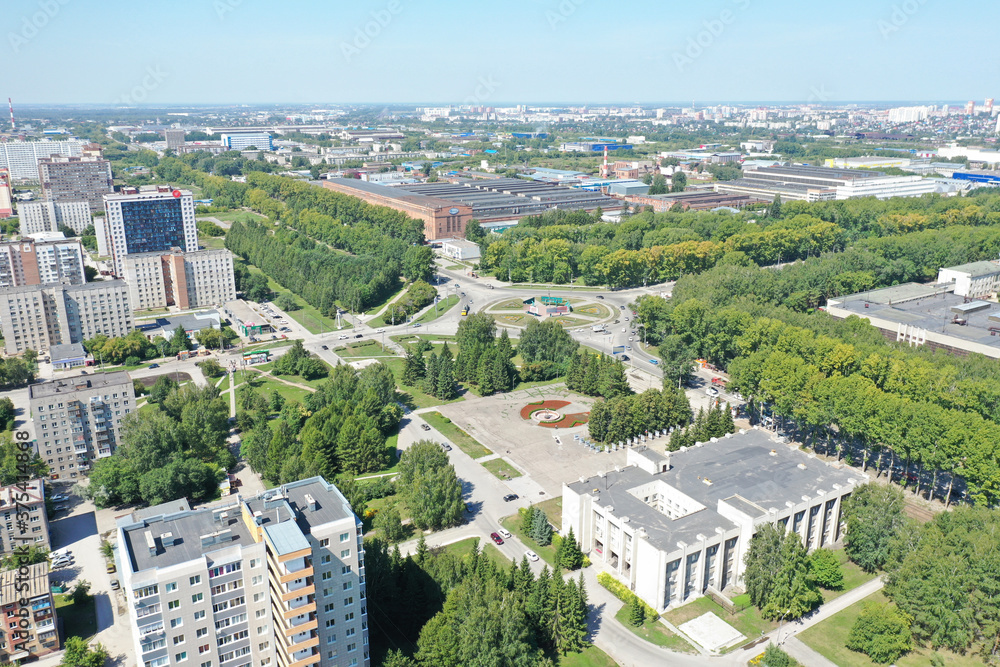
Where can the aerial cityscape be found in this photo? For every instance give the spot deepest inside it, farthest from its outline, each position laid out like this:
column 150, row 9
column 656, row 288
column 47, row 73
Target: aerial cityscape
column 396, row 335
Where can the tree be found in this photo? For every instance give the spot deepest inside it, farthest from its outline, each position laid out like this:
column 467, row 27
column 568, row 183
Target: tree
column 678, row 181
column 546, row 341
column 429, row 483
column 568, row 555
column 79, row 654
column 287, row 302
column 541, row 530
column 81, row 593
column 775, row 657
column 7, row 413
column 792, row 594
column 676, row 360
column 825, row 570
column 387, row 521
column 881, row 631
column 774, row 210
column 874, row 516
column 180, row 341
column 12, row 466
column 211, row 368
column 658, row 184
column 636, row 614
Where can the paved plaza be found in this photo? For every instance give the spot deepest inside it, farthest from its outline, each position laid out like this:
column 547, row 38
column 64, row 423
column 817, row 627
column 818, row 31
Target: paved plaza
column 711, row 632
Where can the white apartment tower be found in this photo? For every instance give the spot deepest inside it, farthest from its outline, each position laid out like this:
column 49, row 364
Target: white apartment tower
column 155, row 220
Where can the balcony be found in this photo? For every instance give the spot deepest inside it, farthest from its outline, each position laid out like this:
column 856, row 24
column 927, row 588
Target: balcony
column 311, row 624
column 103, row 452
column 306, row 643
column 81, row 448
column 308, row 660
column 298, row 592
column 298, row 574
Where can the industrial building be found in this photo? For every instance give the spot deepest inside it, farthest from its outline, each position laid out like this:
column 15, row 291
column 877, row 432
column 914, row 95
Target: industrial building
column 177, row 278
column 460, row 249
column 673, row 526
column 36, row 317
column 154, row 220
column 693, row 200
column 78, row 420
column 42, row 259
column 28, row 589
column 37, row 217
column 21, row 157
column 932, row 315
column 66, row 179
column 32, row 530
column 592, row 146
column 241, row 141
column 806, row 183
column 273, row 579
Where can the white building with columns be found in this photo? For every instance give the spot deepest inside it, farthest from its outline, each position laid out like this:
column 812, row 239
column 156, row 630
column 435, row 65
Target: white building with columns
column 672, row 526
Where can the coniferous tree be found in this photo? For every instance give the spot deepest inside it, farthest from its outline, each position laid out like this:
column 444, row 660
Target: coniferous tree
column 541, row 529
column 445, row 379
column 413, row 368
column 485, row 375
column 527, row 519
column 636, row 614
column 431, row 375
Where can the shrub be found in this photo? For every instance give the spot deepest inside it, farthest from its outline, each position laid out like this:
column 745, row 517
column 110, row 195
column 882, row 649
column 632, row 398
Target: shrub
column 621, row 591
column 132, row 361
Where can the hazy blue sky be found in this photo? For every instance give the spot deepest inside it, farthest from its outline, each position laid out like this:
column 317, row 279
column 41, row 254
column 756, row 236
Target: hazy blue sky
column 257, row 51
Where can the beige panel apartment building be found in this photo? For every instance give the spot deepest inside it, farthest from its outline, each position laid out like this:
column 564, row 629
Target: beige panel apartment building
column 186, row 280
column 31, row 529
column 77, row 420
column 41, row 260
column 41, row 636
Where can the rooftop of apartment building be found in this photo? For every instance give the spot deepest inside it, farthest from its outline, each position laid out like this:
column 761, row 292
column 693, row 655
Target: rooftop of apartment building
column 83, row 287
column 96, row 381
column 10, row 496
column 13, row 583
column 749, row 471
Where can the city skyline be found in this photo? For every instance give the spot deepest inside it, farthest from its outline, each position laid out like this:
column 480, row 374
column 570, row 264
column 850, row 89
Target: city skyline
column 536, row 50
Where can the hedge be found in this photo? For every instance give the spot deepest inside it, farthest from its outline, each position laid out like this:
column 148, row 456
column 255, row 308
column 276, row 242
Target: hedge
column 621, row 591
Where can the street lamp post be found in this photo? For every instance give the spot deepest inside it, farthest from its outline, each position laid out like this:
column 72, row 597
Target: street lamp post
column 780, row 623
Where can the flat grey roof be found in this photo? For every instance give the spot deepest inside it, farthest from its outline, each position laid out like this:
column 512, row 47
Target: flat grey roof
column 976, row 269
column 286, row 537
column 65, row 386
column 739, row 466
column 67, row 351
column 932, row 307
column 396, row 193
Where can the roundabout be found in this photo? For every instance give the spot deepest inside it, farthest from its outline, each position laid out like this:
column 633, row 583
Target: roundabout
column 570, row 312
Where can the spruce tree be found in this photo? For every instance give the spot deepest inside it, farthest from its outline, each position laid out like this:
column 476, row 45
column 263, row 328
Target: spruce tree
column 542, row 531
column 413, row 369
column 431, row 375
column 527, row 519
column 445, row 379
column 575, row 371
column 636, row 614
column 571, row 556
column 446, row 352
column 592, row 377
column 485, row 374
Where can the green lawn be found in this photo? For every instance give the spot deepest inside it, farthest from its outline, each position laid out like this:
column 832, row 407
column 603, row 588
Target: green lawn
column 491, row 552
column 413, row 397
column 460, row 548
column 307, row 315
column 553, row 510
column 361, row 350
column 456, row 267
column 231, row 216
column 212, row 242
column 854, row 576
column 748, row 621
column 77, row 621
column 513, row 524
column 501, row 469
column 589, row 657
column 264, row 386
column 381, row 503
column 828, row 638
column 379, row 306
column 443, row 306
column 510, row 304
column 463, row 440
column 655, row 633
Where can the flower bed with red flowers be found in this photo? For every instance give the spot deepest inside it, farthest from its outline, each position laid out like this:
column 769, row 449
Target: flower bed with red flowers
column 532, row 408
column 569, row 421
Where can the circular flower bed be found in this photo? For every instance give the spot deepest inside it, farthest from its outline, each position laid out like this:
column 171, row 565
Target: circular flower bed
column 546, row 413
column 550, row 405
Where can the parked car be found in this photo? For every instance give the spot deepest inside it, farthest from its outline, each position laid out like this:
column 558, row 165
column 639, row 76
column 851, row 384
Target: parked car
column 622, row 307
column 504, row 533
column 324, row 347
column 509, row 497
column 445, row 446
column 601, row 297
column 111, row 568
column 60, row 508
column 711, row 391
column 624, row 329
column 359, row 335
column 60, row 553
column 154, row 365
column 59, row 497
column 496, row 538
column 115, row 585
column 426, row 427
column 532, row 556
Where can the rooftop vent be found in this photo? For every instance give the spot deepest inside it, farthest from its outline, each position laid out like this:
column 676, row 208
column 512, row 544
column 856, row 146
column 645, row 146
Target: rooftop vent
column 258, row 517
column 774, row 452
column 168, row 540
column 311, row 502
column 707, row 481
column 625, row 519
column 150, row 542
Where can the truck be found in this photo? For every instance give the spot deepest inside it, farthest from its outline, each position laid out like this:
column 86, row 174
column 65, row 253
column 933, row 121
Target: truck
column 599, row 328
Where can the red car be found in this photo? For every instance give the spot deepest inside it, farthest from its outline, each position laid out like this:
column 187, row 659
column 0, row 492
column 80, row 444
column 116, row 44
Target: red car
column 496, row 538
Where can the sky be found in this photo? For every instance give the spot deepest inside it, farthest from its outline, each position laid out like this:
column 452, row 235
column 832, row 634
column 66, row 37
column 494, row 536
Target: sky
column 153, row 52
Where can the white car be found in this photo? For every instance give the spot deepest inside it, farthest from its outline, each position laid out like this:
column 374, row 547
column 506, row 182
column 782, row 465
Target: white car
column 504, row 533
column 342, row 336
column 59, row 497
column 624, row 329
column 59, row 562
column 61, row 553
column 532, row 556
column 711, row 391
column 380, row 331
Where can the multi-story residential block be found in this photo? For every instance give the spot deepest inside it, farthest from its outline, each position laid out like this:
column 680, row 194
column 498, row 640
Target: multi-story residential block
column 186, row 280
column 276, row 579
column 671, row 527
column 6, row 198
column 21, row 157
column 41, row 260
column 148, row 222
column 25, row 523
column 77, row 420
column 37, row 317
column 240, row 141
column 975, row 279
column 37, row 217
column 27, row 597
column 76, row 179
column 175, row 139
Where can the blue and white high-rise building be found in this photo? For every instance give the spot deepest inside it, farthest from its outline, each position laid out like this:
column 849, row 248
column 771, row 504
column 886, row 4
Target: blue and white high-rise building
column 241, row 141
column 150, row 221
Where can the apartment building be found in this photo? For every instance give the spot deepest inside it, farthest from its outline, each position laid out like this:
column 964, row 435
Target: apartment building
column 37, row 317
column 41, row 260
column 148, row 221
column 186, row 280
column 31, row 528
column 174, row 138
column 76, row 179
column 276, row 579
column 6, row 196
column 29, row 630
column 39, row 217
column 21, row 157
column 78, row 420
column 241, row 141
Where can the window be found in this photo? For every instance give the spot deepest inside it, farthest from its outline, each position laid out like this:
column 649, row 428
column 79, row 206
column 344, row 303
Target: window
column 176, row 622
column 344, row 537
column 345, row 553
column 352, row 647
column 327, row 592
column 254, row 562
column 141, row 593
column 263, row 646
column 201, row 632
column 173, row 604
column 179, row 639
column 195, row 580
column 348, row 601
column 330, row 623
column 207, row 663
column 170, row 587
column 349, row 616
column 332, row 639
column 198, row 615
column 181, row 657
column 345, row 569
column 257, row 580
column 197, row 597
column 325, row 542
column 349, row 632
column 325, row 559
column 328, row 608
column 348, row 585
column 327, row 576
column 260, row 613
